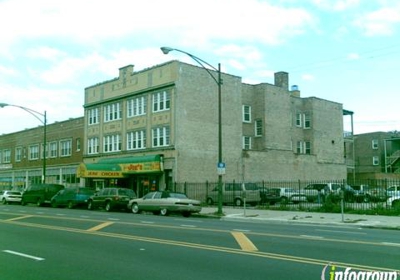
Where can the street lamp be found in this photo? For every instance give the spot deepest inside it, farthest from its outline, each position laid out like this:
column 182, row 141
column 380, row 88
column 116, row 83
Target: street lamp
column 218, row 80
column 36, row 114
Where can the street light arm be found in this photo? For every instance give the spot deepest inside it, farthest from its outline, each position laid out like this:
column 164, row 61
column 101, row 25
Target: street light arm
column 36, row 114
column 30, row 111
column 201, row 62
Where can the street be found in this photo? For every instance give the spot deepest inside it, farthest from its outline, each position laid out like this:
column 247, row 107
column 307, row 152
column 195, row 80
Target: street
column 48, row 243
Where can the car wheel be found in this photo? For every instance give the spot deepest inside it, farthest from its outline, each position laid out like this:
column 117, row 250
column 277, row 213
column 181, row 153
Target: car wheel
column 186, row 214
column 70, row 205
column 135, row 208
column 367, row 199
column 396, row 204
column 4, row 201
column 53, row 204
column 284, row 200
column 39, row 202
column 23, row 203
column 164, row 212
column 238, row 202
column 90, row 205
column 210, row 201
column 108, row 206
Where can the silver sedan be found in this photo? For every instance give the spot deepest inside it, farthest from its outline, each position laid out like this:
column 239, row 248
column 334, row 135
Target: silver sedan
column 165, row 202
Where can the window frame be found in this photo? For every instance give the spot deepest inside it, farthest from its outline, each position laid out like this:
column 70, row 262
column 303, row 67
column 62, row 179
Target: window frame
column 246, row 113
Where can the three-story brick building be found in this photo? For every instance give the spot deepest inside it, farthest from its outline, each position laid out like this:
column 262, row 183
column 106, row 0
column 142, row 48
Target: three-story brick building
column 150, row 128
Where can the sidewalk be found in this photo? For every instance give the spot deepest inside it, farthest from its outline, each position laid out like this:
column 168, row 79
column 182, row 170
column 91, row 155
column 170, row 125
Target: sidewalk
column 372, row 221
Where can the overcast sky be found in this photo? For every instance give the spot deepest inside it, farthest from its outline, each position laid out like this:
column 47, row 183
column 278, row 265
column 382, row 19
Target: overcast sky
column 347, row 51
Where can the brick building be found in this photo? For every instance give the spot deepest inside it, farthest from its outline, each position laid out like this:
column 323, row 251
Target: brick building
column 376, row 156
column 21, row 155
column 150, row 128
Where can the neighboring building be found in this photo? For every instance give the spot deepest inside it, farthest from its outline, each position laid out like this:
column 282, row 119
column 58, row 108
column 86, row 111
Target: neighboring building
column 21, row 155
column 376, row 156
column 150, row 128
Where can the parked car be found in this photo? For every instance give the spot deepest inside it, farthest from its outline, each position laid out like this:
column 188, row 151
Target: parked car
column 165, row 202
column 317, row 192
column 393, row 191
column 111, row 198
column 40, row 194
column 270, row 195
column 320, row 192
column 10, row 197
column 394, row 202
column 72, row 197
column 287, row 195
column 234, row 193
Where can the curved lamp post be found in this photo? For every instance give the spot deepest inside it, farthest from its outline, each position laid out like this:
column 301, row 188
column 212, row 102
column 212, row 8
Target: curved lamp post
column 218, row 80
column 36, row 114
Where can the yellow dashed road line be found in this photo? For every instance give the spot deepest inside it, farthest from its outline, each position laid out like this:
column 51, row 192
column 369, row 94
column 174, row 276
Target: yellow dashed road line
column 244, row 242
column 19, row 218
column 100, row 226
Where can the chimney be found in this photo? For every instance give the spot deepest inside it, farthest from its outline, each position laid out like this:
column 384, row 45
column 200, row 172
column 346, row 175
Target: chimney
column 125, row 71
column 282, row 80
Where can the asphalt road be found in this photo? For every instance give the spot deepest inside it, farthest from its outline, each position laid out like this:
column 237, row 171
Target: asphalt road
column 46, row 243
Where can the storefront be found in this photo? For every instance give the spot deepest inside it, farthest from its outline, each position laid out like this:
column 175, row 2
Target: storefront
column 142, row 174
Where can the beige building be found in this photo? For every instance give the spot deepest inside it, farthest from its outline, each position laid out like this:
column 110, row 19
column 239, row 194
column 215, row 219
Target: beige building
column 150, row 128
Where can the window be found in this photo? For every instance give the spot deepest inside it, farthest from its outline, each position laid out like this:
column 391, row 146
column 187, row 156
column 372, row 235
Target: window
column 307, row 120
column 112, row 112
column 136, row 106
column 7, row 156
column 304, row 147
column 375, row 160
column 161, row 136
column 303, row 119
column 33, row 152
column 375, row 144
column 246, row 113
column 65, row 148
column 93, row 146
column 258, row 127
column 136, row 140
column 161, row 101
column 246, row 142
column 53, row 149
column 78, row 144
column 93, row 116
column 112, row 143
column 18, row 154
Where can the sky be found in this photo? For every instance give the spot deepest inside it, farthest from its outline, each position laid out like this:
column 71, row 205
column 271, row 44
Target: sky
column 346, row 51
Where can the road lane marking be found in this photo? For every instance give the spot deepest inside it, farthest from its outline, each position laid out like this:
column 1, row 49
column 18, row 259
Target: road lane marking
column 341, row 231
column 291, row 258
column 147, row 222
column 189, row 226
column 391, row 244
column 19, row 218
column 312, row 236
column 244, row 242
column 100, row 226
column 23, row 255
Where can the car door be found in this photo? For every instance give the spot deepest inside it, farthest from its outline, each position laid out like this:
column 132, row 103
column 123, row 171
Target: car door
column 147, row 203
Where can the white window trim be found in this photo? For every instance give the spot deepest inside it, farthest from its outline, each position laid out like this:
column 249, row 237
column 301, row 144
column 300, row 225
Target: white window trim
column 245, row 114
column 245, row 145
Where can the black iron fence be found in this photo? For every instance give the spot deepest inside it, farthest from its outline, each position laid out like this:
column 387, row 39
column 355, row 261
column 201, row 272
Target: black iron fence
column 363, row 196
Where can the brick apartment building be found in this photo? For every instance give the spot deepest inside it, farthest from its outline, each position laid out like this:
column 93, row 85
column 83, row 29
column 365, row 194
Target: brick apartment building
column 376, row 156
column 21, row 155
column 149, row 128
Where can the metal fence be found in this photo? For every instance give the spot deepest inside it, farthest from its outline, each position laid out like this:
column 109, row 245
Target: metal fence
column 363, row 196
